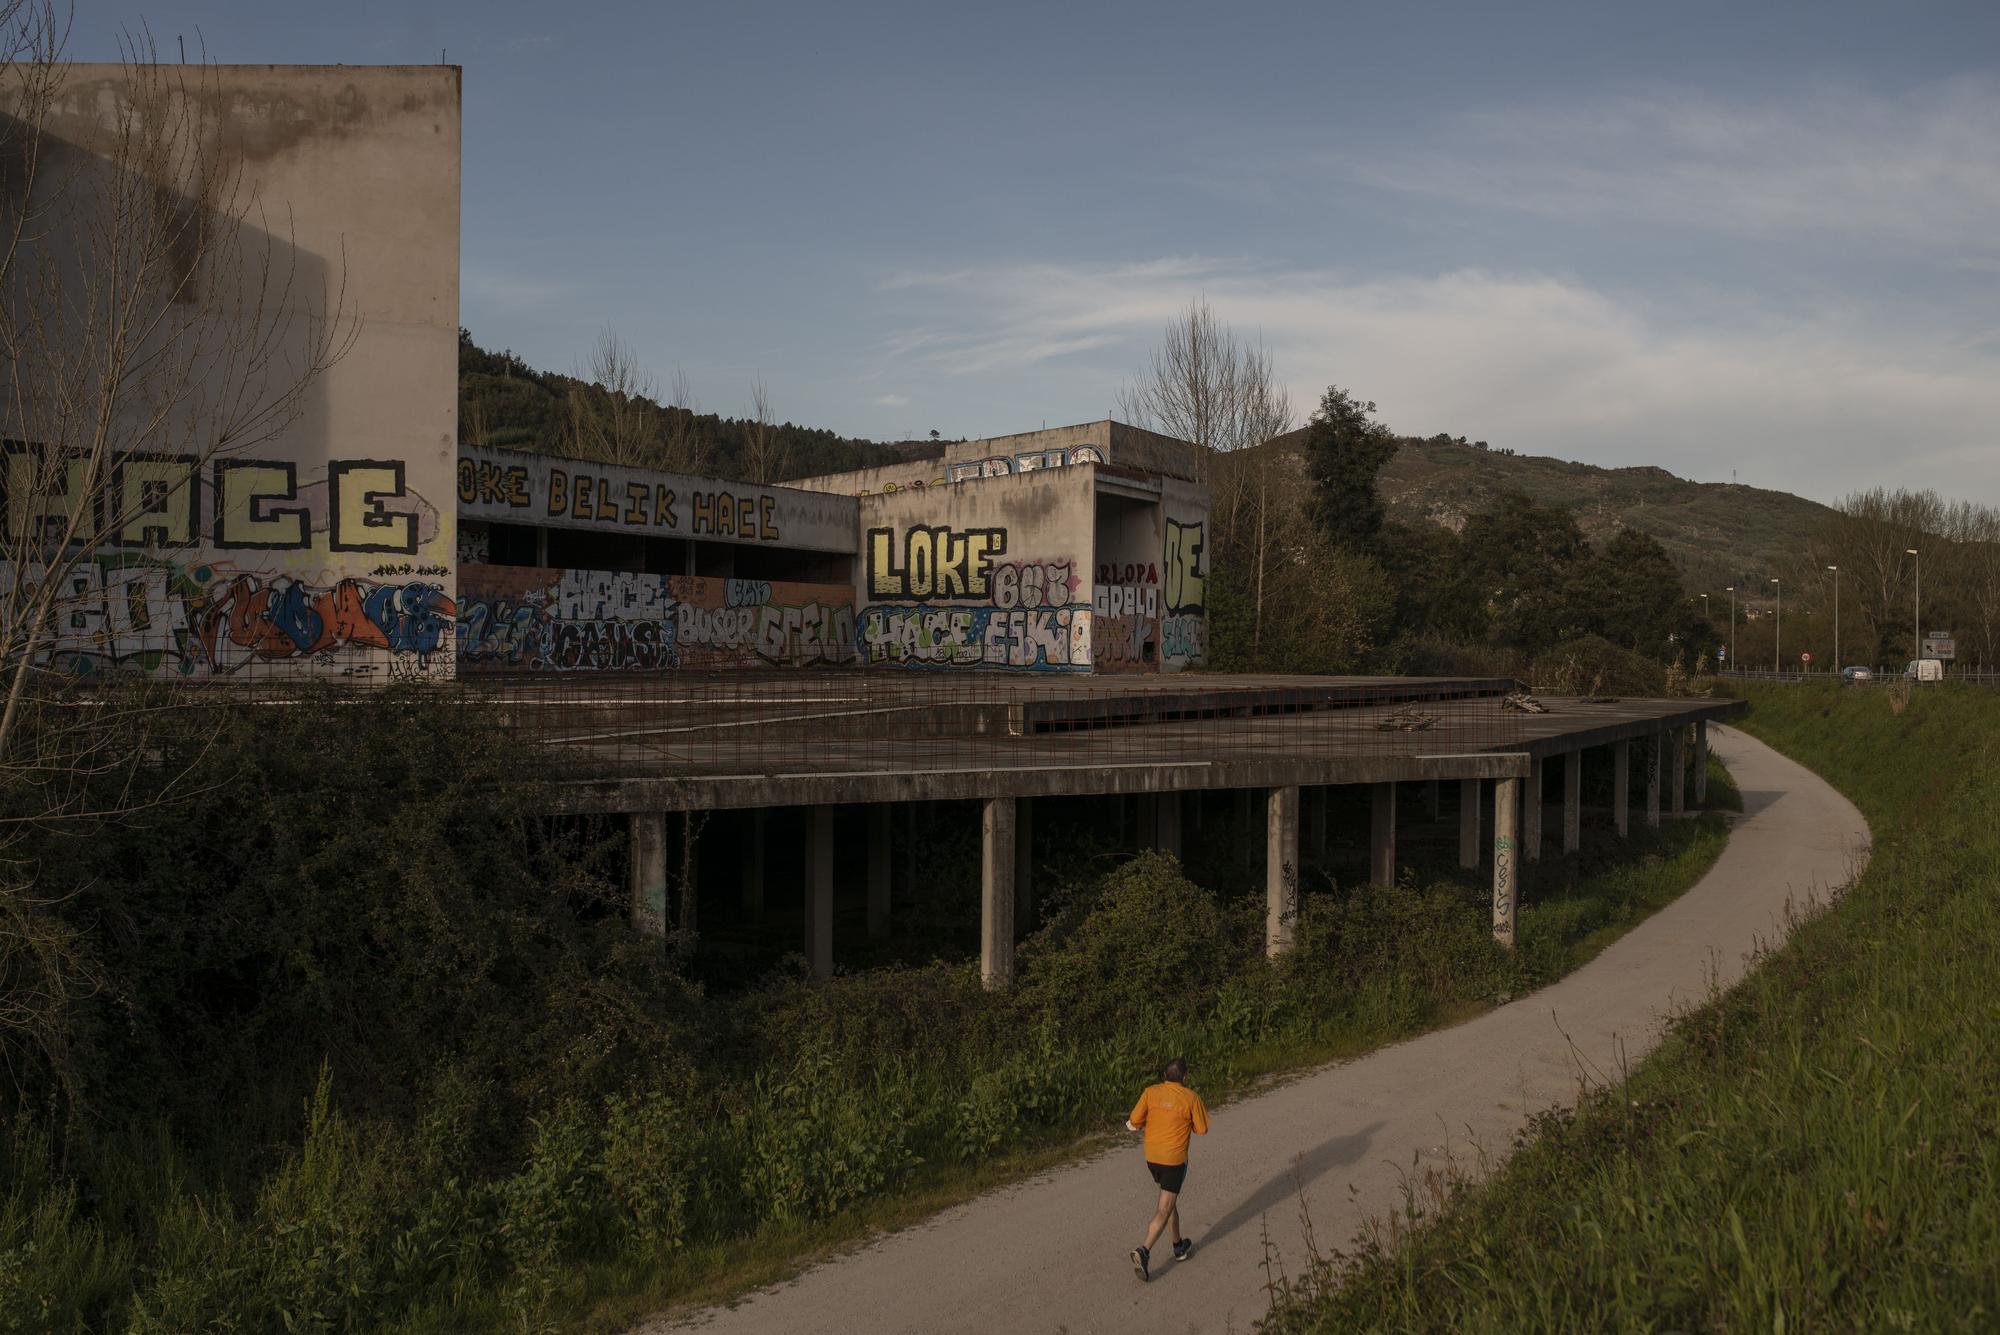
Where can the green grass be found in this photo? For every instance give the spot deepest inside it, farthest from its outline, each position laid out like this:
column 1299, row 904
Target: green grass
column 848, row 1107
column 1817, row 1149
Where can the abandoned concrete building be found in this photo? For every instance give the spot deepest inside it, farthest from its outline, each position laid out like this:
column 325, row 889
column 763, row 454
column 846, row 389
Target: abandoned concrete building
column 1018, row 620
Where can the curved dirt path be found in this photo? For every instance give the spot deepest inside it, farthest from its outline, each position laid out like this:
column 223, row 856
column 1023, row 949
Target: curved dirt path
column 1049, row 1254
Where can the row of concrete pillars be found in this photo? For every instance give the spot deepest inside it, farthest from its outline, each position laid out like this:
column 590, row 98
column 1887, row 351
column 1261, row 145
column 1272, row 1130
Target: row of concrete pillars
column 1006, row 841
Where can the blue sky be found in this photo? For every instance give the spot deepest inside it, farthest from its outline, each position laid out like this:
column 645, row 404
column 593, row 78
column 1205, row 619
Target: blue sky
column 1756, row 240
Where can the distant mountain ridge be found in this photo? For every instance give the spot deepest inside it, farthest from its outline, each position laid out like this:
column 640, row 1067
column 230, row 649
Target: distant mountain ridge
column 1719, row 533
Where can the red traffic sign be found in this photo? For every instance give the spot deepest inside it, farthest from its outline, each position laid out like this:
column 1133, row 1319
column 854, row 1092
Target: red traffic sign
column 1805, row 658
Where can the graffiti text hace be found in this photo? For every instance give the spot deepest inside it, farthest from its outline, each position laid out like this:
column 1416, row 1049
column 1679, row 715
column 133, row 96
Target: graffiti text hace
column 939, row 563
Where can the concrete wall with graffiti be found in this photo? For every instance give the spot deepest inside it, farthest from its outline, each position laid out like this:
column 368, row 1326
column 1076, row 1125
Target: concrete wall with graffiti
column 328, row 545
column 1184, row 575
column 999, row 580
column 508, row 486
column 535, row 619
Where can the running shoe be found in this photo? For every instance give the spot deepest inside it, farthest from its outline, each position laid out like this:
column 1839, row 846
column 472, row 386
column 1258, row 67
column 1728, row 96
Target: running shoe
column 1184, row 1249
column 1140, row 1259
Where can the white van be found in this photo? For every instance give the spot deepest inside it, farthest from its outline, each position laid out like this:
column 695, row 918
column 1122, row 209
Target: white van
column 1925, row 669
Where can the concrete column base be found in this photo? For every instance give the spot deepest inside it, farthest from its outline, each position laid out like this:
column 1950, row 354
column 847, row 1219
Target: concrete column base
column 1281, row 870
column 996, row 893
column 648, row 876
column 1506, row 884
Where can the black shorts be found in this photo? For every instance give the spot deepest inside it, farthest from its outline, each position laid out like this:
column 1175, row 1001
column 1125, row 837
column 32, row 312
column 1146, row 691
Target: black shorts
column 1168, row 1175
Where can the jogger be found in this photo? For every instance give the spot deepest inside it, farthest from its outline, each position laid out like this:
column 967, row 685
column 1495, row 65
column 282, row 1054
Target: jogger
column 1168, row 1113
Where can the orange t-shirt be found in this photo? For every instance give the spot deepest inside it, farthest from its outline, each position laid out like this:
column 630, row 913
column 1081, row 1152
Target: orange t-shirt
column 1168, row 1112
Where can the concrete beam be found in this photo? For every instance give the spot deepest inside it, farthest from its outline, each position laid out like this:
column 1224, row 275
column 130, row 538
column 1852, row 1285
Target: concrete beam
column 1621, row 787
column 1572, row 802
column 1506, row 881
column 1679, row 762
column 1701, row 762
column 1468, row 824
column 648, row 877
column 1281, row 870
column 1382, row 835
column 819, row 891
column 996, row 892
column 1531, row 813
column 752, row 862
column 1653, row 765
column 880, row 849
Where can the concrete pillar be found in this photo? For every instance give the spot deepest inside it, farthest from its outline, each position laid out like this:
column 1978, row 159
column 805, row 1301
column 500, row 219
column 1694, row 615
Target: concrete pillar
column 880, row 820
column 1468, row 824
column 1621, row 787
column 819, row 891
column 1167, row 822
column 752, row 862
column 1382, row 834
column 649, row 871
column 1506, row 887
column 996, row 892
column 1281, row 870
column 1701, row 762
column 1432, row 800
column 1679, row 761
column 1653, row 781
column 1316, row 801
column 1024, row 862
column 1573, row 801
column 1531, row 813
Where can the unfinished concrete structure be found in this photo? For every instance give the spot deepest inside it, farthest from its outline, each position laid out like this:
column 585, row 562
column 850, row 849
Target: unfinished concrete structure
column 269, row 220
column 818, row 742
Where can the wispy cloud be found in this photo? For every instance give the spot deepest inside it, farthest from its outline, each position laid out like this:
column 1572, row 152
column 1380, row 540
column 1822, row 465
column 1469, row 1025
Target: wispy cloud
column 893, row 400
column 1920, row 169
column 1818, row 404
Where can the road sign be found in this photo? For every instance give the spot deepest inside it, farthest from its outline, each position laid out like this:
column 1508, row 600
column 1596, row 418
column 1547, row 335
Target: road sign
column 1939, row 644
column 1805, row 658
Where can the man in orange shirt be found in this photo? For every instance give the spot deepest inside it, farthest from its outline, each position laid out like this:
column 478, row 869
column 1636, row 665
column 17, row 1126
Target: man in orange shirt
column 1168, row 1112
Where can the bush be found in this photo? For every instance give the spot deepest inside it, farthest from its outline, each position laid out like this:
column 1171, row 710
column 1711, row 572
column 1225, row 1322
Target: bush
column 1595, row 666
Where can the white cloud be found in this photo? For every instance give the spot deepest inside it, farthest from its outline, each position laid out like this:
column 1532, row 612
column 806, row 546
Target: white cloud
column 1817, row 404
column 1921, row 169
column 893, row 400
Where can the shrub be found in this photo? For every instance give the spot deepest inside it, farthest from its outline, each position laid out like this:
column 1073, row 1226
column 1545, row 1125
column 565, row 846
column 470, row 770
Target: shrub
column 1595, row 666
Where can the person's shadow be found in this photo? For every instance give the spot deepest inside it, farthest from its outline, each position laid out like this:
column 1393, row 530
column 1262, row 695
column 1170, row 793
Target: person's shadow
column 1314, row 1163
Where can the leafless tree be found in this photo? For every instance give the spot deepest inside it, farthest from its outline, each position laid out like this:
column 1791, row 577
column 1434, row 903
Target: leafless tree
column 614, row 413
column 1204, row 385
column 765, row 454
column 154, row 317
column 684, row 446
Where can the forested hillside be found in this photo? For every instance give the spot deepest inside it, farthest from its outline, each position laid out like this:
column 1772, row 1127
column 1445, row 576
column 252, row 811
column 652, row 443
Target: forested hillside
column 1717, row 533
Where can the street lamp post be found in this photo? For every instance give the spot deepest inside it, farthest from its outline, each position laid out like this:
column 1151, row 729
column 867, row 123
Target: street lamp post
column 1836, row 617
column 1778, row 632
column 1917, row 610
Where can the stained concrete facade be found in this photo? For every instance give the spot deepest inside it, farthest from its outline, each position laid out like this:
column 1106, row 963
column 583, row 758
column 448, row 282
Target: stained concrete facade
column 316, row 207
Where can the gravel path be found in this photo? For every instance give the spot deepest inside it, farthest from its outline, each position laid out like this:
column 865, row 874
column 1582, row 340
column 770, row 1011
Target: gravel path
column 1049, row 1254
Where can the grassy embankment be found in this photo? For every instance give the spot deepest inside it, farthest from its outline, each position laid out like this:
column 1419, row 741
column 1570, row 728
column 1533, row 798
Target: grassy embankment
column 1818, row 1149
column 526, row 1124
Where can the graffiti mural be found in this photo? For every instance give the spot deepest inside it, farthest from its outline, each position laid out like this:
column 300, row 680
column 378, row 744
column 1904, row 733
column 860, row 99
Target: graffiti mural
column 1184, row 615
column 529, row 618
column 947, row 600
column 133, row 613
column 1125, row 618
